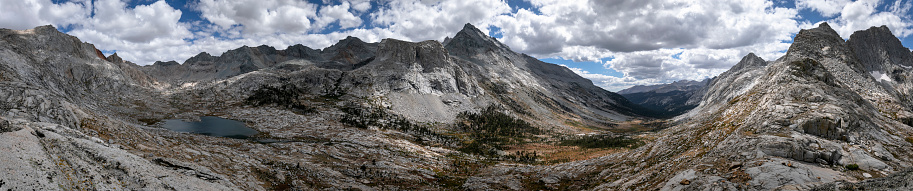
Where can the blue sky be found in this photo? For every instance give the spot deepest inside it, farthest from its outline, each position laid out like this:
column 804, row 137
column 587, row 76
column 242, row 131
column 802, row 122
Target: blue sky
column 616, row 44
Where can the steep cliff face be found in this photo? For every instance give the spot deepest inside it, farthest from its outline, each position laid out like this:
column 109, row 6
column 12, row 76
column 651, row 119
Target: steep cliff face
column 887, row 61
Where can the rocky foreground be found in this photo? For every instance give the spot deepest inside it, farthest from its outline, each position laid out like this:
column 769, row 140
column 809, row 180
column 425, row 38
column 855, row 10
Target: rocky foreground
column 466, row 113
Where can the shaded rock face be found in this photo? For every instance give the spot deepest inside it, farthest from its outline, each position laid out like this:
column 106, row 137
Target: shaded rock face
column 886, row 60
column 878, row 49
column 345, row 55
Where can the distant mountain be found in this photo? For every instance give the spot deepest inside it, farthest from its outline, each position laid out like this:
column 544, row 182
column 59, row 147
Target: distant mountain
column 347, row 54
column 681, row 85
column 667, row 100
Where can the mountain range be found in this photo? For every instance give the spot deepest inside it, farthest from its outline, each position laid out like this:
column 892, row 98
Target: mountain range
column 465, row 113
column 667, row 100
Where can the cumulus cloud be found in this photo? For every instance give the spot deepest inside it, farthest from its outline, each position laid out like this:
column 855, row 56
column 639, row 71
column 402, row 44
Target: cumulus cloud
column 630, row 26
column 827, row 8
column 433, row 20
column 260, row 16
column 862, row 14
column 611, row 83
column 360, row 5
column 642, row 36
column 661, row 65
column 143, row 33
column 26, row 14
column 339, row 13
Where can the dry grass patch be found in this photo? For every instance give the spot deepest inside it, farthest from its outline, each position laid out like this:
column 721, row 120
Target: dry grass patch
column 553, row 154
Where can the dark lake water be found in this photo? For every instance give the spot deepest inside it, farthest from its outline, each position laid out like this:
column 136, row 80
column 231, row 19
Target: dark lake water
column 212, row 126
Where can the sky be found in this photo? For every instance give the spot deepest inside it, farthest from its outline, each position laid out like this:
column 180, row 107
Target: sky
column 614, row 43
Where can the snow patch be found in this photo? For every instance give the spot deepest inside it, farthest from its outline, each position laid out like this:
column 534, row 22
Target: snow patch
column 880, row 76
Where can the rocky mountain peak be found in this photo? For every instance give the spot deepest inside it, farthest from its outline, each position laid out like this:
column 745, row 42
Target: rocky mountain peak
column 822, row 31
column 302, row 51
column 62, row 42
column 202, row 56
column 115, row 59
column 750, row 60
column 446, row 40
column 471, row 41
column 817, row 42
column 878, row 49
column 349, row 41
column 469, row 29
column 46, row 29
column 169, row 63
column 428, row 54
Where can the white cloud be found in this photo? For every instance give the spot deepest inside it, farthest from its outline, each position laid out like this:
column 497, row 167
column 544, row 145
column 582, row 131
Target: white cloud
column 642, row 36
column 260, row 16
column 692, row 64
column 433, row 20
column 612, row 83
column 26, row 14
column 862, row 14
column 827, row 8
column 339, row 13
column 143, row 34
column 360, row 5
column 630, row 26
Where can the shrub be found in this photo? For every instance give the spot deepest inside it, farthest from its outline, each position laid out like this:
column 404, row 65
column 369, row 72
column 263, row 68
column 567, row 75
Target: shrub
column 285, row 96
column 491, row 122
column 522, row 157
column 490, row 130
column 602, row 141
column 362, row 117
column 852, row 167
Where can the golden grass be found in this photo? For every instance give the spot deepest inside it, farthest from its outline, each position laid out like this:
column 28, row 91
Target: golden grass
column 553, row 154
